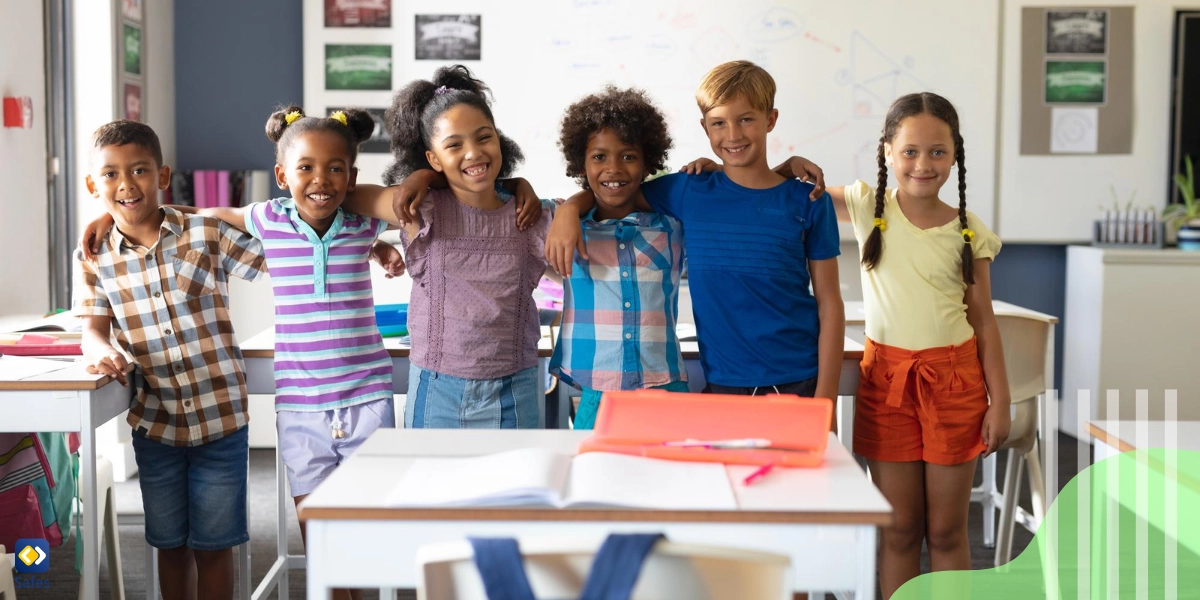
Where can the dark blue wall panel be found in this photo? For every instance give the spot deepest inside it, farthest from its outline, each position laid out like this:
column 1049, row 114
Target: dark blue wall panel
column 234, row 62
column 1034, row 276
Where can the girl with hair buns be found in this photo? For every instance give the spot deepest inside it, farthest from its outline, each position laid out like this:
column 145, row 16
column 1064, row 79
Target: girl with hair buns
column 472, row 318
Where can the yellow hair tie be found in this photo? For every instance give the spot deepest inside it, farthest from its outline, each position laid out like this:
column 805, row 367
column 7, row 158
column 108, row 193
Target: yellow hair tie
column 968, row 235
column 339, row 116
column 292, row 116
column 881, row 224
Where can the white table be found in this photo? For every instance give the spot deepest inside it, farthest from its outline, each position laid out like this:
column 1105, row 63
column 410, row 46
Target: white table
column 259, row 355
column 825, row 518
column 66, row 399
column 1153, row 478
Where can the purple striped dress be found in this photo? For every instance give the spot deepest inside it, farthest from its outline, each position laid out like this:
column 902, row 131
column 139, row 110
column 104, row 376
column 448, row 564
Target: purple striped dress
column 328, row 351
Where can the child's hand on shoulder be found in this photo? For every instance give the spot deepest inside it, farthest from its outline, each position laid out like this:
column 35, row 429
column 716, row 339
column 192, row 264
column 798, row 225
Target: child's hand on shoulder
column 409, row 193
column 700, row 165
column 389, row 258
column 529, row 206
column 807, row 171
column 996, row 424
column 93, row 235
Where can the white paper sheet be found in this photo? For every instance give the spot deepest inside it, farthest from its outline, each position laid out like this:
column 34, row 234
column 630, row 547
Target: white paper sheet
column 1074, row 130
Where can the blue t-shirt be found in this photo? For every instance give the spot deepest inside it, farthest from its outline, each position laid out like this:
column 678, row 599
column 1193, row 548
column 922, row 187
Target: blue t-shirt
column 748, row 253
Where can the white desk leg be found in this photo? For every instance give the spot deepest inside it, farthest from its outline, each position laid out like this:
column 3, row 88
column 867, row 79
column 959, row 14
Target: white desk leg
column 151, row 573
column 281, row 510
column 845, row 421
column 318, row 587
column 866, row 563
column 989, row 501
column 90, row 581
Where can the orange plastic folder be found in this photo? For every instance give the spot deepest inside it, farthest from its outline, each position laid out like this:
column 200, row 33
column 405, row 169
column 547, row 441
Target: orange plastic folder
column 792, row 431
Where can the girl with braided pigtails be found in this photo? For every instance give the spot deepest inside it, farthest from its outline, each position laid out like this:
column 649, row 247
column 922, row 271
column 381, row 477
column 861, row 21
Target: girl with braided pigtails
column 933, row 355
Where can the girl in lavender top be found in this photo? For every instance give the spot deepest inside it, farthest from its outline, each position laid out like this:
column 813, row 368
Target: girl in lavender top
column 472, row 318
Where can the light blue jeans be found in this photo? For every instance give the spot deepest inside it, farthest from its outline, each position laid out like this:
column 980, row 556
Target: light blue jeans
column 440, row 401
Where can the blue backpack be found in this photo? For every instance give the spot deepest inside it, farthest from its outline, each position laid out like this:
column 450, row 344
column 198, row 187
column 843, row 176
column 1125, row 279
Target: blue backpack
column 614, row 571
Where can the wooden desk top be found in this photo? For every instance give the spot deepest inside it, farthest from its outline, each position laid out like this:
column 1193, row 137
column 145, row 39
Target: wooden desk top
column 39, row 374
column 836, row 493
column 1123, row 435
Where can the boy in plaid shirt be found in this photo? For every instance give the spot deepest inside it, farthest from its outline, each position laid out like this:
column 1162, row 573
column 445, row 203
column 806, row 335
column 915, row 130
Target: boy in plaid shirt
column 621, row 297
column 159, row 282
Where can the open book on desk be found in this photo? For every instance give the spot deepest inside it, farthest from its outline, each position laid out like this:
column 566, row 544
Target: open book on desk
column 539, row 477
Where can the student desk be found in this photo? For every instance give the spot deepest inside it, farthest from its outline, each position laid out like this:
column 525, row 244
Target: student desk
column 1116, row 438
column 66, row 398
column 259, row 353
column 825, row 518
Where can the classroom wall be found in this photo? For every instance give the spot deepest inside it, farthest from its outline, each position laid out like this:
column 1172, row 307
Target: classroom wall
column 234, row 62
column 264, row 69
column 23, row 203
column 1051, row 199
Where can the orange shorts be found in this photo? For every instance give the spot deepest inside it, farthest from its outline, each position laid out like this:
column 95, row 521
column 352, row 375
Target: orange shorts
column 926, row 405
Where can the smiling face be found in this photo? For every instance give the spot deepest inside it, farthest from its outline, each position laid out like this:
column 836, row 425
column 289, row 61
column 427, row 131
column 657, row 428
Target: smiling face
column 738, row 132
column 922, row 154
column 615, row 171
column 466, row 147
column 127, row 178
column 318, row 173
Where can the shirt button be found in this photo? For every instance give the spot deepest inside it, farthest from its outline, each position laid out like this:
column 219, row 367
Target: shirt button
column 624, row 273
column 627, row 305
column 158, row 294
column 178, row 367
column 187, row 403
column 622, row 246
column 629, row 336
column 168, row 332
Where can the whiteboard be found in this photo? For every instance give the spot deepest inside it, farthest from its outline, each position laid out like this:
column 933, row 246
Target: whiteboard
column 837, row 65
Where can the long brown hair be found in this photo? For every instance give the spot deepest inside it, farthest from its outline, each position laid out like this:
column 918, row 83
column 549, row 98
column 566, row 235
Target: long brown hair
column 924, row 103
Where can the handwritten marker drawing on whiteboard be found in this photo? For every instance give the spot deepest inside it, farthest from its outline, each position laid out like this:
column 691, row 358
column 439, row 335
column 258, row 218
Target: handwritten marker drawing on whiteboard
column 877, row 79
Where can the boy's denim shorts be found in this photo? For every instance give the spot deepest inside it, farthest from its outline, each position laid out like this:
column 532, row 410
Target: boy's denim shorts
column 309, row 450
column 194, row 495
column 440, row 401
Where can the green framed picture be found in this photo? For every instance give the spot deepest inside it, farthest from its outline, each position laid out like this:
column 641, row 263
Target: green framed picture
column 132, row 46
column 1075, row 81
column 358, row 67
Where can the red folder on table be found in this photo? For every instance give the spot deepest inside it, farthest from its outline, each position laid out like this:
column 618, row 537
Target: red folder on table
column 37, row 344
column 791, row 431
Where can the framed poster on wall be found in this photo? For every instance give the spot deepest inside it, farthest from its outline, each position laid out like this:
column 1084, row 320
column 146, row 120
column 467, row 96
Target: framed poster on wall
column 129, row 64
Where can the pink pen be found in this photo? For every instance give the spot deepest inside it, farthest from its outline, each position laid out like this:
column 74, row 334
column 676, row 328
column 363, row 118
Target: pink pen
column 758, row 473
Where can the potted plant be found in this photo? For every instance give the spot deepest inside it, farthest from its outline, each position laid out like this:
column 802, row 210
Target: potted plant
column 1185, row 216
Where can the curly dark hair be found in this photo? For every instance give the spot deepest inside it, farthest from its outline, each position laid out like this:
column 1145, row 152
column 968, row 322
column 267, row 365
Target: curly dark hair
column 358, row 128
column 629, row 113
column 416, row 107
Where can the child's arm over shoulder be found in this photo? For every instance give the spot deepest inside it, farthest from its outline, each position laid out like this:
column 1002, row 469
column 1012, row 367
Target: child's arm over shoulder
column 241, row 252
column 398, row 204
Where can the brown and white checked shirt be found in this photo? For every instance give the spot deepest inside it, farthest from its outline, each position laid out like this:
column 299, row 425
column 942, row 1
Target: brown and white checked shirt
column 169, row 309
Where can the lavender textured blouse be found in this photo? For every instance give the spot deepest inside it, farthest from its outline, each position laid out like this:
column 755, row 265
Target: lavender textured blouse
column 471, row 313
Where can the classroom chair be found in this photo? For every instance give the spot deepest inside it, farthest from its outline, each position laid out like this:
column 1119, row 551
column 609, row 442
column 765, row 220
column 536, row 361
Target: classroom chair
column 558, row 566
column 107, row 512
column 7, row 591
column 1024, row 341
